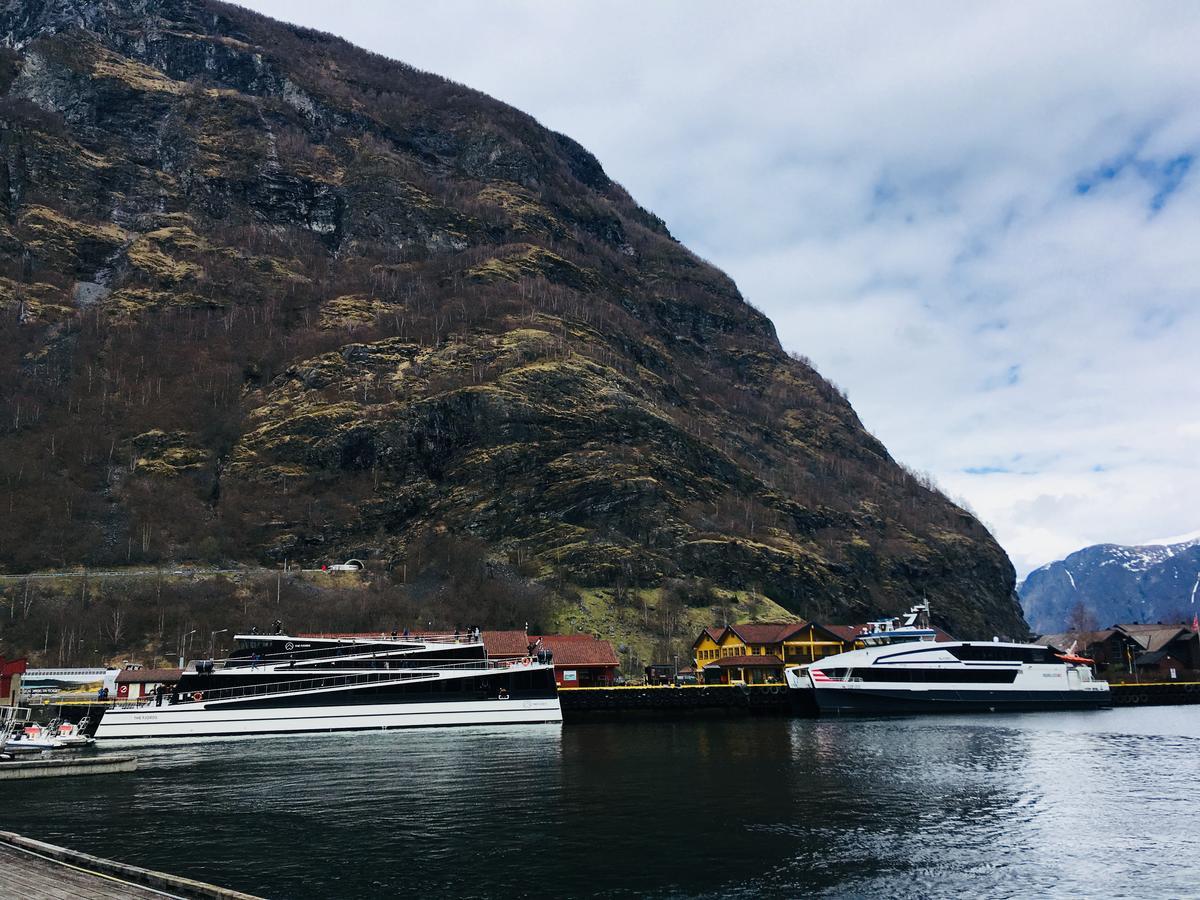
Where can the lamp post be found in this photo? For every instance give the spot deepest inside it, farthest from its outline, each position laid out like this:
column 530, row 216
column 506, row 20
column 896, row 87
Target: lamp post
column 182, row 643
column 212, row 641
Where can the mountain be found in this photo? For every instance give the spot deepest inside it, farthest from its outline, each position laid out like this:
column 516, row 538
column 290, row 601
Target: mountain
column 268, row 296
column 1115, row 584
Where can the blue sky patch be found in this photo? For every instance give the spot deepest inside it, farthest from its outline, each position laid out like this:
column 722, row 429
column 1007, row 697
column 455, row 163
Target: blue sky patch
column 1008, row 378
column 1163, row 175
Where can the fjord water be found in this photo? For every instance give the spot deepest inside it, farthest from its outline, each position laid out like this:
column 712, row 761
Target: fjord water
column 1063, row 804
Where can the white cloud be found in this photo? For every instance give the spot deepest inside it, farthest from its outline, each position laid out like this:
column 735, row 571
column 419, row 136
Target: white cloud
column 898, row 187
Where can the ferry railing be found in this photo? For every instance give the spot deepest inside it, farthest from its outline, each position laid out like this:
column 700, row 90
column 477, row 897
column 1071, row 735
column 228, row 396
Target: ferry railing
column 384, row 676
column 12, row 720
column 351, row 648
column 397, row 663
column 463, row 637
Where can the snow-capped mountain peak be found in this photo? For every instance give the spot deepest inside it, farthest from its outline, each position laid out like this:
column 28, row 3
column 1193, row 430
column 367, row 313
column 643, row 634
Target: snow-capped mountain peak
column 1151, row 582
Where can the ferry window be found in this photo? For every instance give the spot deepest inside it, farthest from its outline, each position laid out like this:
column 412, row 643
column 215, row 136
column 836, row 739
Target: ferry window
column 900, row 674
column 984, row 653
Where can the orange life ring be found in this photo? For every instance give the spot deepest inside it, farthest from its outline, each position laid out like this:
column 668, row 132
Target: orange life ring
column 198, row 695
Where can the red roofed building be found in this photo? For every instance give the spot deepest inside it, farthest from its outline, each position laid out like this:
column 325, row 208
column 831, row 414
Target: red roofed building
column 580, row 660
column 506, row 644
column 11, row 671
column 135, row 684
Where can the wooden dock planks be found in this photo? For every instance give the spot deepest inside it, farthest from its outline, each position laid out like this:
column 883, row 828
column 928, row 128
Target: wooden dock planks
column 27, row 876
column 35, row 870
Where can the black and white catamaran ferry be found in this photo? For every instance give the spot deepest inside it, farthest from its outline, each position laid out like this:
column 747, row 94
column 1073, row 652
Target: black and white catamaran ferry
column 903, row 668
column 275, row 684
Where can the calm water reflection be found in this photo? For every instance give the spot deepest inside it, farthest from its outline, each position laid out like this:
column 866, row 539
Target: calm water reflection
column 1004, row 806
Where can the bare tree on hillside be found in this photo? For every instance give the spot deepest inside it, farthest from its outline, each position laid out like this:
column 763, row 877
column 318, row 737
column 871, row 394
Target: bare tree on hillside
column 1081, row 624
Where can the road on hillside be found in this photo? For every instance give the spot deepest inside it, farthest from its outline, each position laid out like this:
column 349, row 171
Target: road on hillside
column 187, row 571
column 179, row 571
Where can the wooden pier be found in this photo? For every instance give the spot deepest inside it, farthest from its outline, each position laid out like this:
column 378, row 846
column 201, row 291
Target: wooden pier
column 35, row 870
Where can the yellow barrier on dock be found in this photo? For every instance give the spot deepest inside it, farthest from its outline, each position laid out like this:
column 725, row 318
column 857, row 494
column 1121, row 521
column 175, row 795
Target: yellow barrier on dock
column 671, row 687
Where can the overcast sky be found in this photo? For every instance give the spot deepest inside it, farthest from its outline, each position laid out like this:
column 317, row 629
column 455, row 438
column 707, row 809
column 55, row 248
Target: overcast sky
column 981, row 220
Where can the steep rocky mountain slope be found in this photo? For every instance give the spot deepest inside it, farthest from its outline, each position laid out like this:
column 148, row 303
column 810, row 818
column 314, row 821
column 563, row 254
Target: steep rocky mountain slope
column 265, row 295
column 1115, row 584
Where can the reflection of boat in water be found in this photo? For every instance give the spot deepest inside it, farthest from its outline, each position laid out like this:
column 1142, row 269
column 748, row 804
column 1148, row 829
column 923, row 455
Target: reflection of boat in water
column 275, row 684
column 903, row 669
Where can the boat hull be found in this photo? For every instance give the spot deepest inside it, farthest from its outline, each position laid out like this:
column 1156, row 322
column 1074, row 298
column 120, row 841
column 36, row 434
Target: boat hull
column 224, row 719
column 883, row 701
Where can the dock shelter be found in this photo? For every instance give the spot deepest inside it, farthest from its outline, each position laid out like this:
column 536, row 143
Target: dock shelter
column 136, row 684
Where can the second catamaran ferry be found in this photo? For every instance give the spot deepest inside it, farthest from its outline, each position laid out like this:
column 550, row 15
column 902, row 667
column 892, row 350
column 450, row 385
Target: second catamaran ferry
column 903, row 669
column 275, row 684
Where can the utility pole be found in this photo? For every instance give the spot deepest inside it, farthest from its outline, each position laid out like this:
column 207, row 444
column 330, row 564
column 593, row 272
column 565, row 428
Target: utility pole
column 183, row 647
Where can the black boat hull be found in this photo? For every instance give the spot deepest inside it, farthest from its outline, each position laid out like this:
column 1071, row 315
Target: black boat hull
column 882, row 701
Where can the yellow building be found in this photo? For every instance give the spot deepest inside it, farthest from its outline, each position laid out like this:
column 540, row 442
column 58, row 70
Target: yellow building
column 757, row 653
column 814, row 641
column 707, row 647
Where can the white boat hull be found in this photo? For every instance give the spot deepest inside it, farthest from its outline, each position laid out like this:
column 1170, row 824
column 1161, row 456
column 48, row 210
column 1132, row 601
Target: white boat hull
column 201, row 720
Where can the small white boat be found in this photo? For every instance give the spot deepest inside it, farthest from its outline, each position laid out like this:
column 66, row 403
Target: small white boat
column 56, row 735
column 13, row 720
column 70, row 736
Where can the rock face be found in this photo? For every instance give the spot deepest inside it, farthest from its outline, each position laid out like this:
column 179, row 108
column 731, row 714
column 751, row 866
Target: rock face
column 264, row 289
column 1115, row 584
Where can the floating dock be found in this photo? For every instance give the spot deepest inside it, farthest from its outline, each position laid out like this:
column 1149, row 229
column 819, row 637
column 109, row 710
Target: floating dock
column 39, row 766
